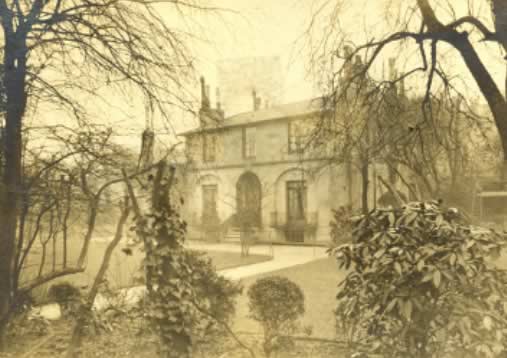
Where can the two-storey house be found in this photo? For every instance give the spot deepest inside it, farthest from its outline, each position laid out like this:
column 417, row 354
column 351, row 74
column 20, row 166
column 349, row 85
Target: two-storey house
column 256, row 168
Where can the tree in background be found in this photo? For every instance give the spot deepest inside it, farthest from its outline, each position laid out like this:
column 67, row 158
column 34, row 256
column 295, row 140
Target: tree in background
column 428, row 29
column 60, row 53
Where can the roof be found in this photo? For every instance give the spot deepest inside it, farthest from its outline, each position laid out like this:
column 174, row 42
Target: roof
column 294, row 109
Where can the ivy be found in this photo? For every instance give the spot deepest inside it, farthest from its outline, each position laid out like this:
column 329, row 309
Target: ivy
column 186, row 297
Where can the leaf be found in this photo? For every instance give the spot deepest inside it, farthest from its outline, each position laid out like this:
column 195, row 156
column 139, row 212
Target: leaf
column 391, row 305
column 392, row 219
column 379, row 253
column 452, row 259
column 398, row 268
column 437, row 278
column 410, row 218
column 488, row 323
column 420, row 265
column 427, row 277
column 406, row 309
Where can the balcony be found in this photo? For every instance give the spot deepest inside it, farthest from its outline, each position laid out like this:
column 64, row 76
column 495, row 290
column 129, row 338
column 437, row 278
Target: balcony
column 278, row 220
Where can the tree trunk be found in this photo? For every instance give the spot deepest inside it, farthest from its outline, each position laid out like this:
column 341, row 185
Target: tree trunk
column 85, row 309
column 365, row 173
column 14, row 79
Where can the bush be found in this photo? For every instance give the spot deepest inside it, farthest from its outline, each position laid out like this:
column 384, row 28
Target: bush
column 219, row 294
column 422, row 284
column 276, row 303
column 214, row 294
column 65, row 294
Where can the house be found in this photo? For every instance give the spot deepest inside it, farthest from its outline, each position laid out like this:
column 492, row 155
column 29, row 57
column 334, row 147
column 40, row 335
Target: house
column 257, row 169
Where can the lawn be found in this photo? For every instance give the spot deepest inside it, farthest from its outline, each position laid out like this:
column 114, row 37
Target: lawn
column 319, row 280
column 123, row 268
column 226, row 260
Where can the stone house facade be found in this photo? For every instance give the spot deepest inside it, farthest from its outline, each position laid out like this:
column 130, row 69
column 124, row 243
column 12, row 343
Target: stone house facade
column 255, row 168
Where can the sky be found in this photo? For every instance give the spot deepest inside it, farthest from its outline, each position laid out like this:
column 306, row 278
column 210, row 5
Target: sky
column 276, row 29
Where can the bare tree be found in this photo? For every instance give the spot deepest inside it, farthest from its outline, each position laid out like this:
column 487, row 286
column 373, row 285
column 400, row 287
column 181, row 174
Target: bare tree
column 431, row 27
column 59, row 52
column 432, row 31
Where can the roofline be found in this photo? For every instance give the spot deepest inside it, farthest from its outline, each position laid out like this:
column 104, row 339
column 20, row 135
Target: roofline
column 234, row 125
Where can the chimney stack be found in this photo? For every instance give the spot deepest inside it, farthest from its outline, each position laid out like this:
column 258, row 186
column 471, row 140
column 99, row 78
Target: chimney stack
column 204, row 95
column 217, row 95
column 219, row 104
column 255, row 100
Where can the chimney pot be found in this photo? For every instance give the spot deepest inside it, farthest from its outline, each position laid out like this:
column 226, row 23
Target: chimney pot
column 219, row 105
column 254, row 99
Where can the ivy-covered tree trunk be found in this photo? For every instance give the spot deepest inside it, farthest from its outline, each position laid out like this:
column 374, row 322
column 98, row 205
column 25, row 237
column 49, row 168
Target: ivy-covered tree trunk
column 170, row 295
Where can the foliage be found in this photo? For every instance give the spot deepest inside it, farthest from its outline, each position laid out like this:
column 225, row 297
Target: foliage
column 185, row 295
column 276, row 303
column 218, row 292
column 422, row 284
column 341, row 225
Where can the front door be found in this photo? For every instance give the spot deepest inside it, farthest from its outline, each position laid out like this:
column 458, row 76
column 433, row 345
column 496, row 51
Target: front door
column 248, row 200
column 296, row 210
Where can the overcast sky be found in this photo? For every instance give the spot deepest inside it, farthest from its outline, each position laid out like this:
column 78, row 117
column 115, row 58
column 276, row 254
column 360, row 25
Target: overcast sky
column 276, row 28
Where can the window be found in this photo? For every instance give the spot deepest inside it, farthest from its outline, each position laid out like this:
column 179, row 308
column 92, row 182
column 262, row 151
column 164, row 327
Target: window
column 209, row 147
column 296, row 200
column 209, row 203
column 297, row 136
column 249, row 142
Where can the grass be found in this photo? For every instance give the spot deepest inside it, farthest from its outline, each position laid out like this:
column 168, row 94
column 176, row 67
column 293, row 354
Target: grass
column 226, row 260
column 318, row 280
column 124, row 268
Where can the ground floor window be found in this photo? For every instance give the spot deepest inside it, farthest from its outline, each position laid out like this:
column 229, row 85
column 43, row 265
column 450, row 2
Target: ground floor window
column 296, row 200
column 209, row 203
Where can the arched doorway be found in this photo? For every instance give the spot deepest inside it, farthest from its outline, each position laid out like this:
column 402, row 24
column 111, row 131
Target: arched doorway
column 248, row 200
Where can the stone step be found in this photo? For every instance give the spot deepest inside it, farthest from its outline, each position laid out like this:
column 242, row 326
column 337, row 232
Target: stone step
column 232, row 236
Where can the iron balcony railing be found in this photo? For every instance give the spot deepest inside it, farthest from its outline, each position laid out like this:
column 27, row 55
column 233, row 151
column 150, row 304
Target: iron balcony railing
column 279, row 220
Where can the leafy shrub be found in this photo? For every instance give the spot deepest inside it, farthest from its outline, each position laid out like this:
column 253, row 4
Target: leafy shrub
column 213, row 294
column 276, row 303
column 218, row 292
column 422, row 284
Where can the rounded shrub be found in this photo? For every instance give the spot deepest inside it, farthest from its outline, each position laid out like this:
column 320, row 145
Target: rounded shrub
column 277, row 304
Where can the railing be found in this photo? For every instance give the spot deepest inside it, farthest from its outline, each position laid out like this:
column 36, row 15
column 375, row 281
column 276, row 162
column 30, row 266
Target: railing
column 279, row 220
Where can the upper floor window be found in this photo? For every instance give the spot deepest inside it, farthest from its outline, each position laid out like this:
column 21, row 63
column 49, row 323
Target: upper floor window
column 298, row 136
column 209, row 147
column 249, row 142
